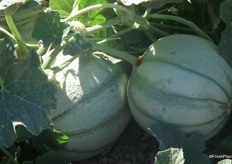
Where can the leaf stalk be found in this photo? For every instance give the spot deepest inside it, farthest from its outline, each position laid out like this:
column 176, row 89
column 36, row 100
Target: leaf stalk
column 16, row 34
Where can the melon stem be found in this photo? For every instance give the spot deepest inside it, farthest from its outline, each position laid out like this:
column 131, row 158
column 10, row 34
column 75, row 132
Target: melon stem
column 116, row 53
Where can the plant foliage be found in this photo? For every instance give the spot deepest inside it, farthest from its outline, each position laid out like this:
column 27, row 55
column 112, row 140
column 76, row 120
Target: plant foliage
column 170, row 137
column 170, row 156
column 225, row 45
column 26, row 94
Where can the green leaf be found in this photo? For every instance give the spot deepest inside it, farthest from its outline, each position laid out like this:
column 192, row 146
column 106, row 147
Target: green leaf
column 93, row 13
column 49, row 29
column 93, row 17
column 64, row 7
column 83, row 4
column 170, row 156
column 26, row 94
column 98, row 19
column 170, row 136
column 225, row 45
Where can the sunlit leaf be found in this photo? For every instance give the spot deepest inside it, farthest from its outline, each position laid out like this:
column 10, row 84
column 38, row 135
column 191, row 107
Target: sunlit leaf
column 225, row 161
column 131, row 2
column 170, row 156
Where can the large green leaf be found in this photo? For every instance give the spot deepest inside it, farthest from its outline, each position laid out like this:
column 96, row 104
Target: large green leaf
column 49, row 29
column 225, row 45
column 170, row 136
column 26, row 95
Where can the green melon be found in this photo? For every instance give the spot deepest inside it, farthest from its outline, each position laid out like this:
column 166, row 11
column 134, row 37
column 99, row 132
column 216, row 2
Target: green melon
column 91, row 107
column 182, row 81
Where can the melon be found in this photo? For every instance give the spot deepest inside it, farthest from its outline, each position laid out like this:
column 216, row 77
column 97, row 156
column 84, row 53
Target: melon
column 182, row 81
column 91, row 104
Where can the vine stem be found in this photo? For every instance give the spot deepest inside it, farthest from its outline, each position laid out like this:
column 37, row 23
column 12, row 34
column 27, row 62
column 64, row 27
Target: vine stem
column 16, row 34
column 182, row 21
column 8, row 155
column 116, row 53
column 98, row 6
column 51, row 57
column 116, row 35
column 7, row 33
column 116, row 21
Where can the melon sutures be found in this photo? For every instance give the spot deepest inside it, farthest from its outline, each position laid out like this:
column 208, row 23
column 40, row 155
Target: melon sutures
column 91, row 104
column 182, row 81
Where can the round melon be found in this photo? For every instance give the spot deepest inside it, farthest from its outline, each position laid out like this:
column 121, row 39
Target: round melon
column 91, row 104
column 184, row 82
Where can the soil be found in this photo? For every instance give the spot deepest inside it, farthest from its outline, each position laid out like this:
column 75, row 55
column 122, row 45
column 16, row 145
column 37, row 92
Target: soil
column 134, row 146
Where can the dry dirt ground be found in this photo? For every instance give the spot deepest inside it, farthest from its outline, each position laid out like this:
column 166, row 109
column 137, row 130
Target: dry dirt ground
column 134, row 146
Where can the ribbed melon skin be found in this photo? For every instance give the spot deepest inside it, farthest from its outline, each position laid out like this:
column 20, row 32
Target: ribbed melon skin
column 91, row 107
column 182, row 81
